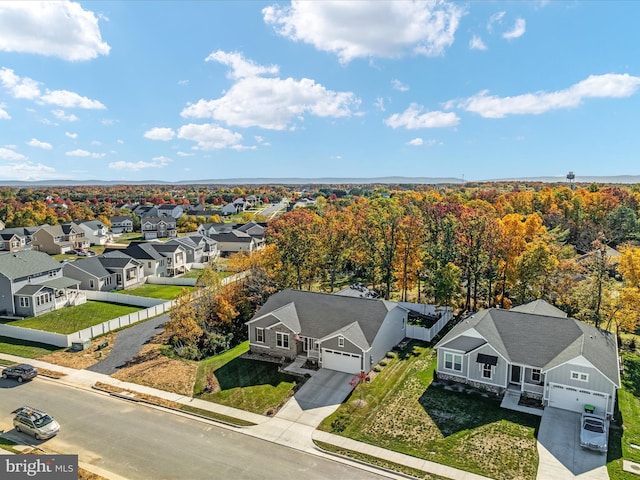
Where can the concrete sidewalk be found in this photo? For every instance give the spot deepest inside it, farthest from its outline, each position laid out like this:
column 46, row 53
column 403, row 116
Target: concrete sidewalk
column 282, row 431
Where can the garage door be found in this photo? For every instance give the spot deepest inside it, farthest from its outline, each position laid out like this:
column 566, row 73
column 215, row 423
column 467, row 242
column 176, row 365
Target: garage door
column 341, row 361
column 574, row 399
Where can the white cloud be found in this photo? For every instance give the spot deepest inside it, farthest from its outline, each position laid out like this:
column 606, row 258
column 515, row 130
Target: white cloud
column 28, row 171
column 61, row 115
column 158, row 133
column 156, row 162
column 476, row 43
column 67, row 99
column 398, row 85
column 368, row 29
column 185, row 154
column 3, row 113
column 241, row 67
column 495, row 18
column 379, row 104
column 71, row 135
column 609, row 85
column 272, row 103
column 412, row 119
column 19, row 87
column 120, row 141
column 38, row 144
column 8, row 154
column 83, row 153
column 209, row 136
column 416, row 142
column 182, row 83
column 517, row 31
column 96, row 143
column 108, row 122
column 61, row 29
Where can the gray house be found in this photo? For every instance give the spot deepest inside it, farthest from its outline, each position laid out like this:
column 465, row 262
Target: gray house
column 91, row 274
column 129, row 272
column 154, row 264
column 121, row 224
column 32, row 283
column 534, row 350
column 158, row 227
column 339, row 333
column 95, row 231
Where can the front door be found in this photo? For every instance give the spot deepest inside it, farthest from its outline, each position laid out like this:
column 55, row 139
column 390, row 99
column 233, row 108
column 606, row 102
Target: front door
column 515, row 374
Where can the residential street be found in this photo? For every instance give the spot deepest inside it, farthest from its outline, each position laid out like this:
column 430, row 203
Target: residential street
column 139, row 442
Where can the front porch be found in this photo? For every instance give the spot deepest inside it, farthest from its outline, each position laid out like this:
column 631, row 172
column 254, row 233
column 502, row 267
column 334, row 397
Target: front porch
column 526, row 380
column 513, row 400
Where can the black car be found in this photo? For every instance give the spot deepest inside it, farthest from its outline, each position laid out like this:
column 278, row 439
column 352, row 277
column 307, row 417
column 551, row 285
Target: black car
column 20, row 372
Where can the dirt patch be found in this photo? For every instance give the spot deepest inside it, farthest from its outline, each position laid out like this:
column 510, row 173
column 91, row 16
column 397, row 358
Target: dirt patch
column 85, row 358
column 154, row 369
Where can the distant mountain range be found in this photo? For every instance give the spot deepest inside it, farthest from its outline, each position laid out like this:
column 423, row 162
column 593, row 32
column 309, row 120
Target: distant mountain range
column 620, row 179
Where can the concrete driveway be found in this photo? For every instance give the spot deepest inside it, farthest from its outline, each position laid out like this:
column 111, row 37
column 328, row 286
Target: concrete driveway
column 318, row 398
column 561, row 456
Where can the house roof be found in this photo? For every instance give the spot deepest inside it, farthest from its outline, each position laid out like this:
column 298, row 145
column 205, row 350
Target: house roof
column 93, row 224
column 92, row 265
column 156, row 220
column 539, row 341
column 120, row 218
column 30, row 290
column 318, row 315
column 186, row 242
column 540, row 307
column 26, row 262
column 116, row 259
column 232, row 236
column 140, row 251
column 61, row 282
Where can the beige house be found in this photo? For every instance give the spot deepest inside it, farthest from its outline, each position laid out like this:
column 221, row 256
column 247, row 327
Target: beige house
column 59, row 239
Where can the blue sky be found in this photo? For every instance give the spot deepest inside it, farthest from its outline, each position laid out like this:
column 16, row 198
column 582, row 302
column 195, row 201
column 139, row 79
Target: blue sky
column 143, row 90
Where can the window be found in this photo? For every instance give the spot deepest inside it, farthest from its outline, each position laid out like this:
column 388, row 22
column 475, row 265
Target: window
column 453, row 362
column 581, row 377
column 91, row 284
column 282, row 340
column 259, row 335
column 486, row 371
column 535, row 375
column 24, row 301
column 341, row 341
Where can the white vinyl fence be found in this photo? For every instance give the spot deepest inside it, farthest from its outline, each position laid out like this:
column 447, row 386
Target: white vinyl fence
column 186, row 282
column 153, row 307
column 423, row 333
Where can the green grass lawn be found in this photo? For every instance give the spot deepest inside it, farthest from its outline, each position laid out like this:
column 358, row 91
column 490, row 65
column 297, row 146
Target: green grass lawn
column 71, row 319
column 24, row 348
column 127, row 238
column 245, row 384
column 164, row 292
column 620, row 440
column 405, row 412
column 193, row 273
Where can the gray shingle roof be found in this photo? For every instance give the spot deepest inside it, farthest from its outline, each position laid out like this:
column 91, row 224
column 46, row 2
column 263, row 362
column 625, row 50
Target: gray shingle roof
column 115, row 259
column 540, row 307
column 540, row 341
column 321, row 314
column 26, row 262
column 91, row 265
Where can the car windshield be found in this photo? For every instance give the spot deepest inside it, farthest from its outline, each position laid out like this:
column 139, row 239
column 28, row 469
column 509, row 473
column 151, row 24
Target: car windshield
column 593, row 426
column 42, row 421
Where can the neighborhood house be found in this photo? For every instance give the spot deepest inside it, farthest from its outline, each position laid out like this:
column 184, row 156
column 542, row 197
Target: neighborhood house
column 340, row 333
column 536, row 351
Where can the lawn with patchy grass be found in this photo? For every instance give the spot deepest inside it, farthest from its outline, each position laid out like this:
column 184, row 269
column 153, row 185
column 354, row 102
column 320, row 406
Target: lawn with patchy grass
column 71, row 319
column 24, row 348
column 163, row 292
column 249, row 385
column 405, row 412
column 621, row 439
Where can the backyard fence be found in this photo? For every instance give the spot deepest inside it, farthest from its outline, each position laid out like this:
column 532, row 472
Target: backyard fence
column 428, row 334
column 186, row 282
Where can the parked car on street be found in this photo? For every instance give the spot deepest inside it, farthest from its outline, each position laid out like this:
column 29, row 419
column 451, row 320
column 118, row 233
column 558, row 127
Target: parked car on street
column 20, row 372
column 593, row 433
column 35, row 422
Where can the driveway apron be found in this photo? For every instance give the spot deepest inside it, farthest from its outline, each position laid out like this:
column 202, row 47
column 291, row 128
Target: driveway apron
column 561, row 456
column 128, row 344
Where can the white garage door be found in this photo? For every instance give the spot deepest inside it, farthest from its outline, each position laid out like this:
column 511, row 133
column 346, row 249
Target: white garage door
column 574, row 399
column 341, row 361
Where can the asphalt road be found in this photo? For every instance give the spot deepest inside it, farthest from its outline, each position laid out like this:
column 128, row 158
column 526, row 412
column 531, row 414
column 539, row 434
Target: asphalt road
column 138, row 442
column 128, row 344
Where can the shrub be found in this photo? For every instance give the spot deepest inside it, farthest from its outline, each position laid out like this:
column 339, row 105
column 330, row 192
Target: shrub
column 391, row 355
column 377, row 368
column 340, row 422
column 383, row 363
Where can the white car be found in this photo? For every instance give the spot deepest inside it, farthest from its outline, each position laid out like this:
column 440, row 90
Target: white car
column 593, row 433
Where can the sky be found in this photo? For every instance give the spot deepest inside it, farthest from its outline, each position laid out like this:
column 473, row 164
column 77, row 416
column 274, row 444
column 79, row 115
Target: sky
column 193, row 90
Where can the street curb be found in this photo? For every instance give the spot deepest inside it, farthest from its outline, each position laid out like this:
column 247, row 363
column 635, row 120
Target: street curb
column 362, row 462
